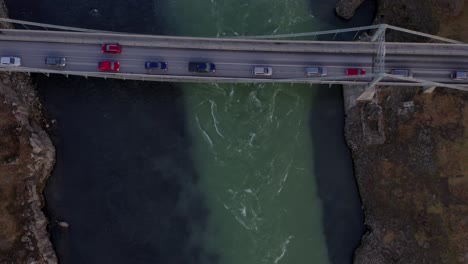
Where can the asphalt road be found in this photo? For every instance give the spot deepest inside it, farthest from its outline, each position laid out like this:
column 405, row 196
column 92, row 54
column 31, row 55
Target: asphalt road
column 230, row 64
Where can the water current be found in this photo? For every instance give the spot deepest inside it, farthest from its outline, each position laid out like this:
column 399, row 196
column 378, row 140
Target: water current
column 198, row 173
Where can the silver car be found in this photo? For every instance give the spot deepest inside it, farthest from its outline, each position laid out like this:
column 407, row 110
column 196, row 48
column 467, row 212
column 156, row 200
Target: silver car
column 316, row 71
column 262, row 71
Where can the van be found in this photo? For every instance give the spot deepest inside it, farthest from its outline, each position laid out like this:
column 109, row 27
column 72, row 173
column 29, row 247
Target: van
column 56, row 61
column 316, row 71
column 262, row 71
column 458, row 75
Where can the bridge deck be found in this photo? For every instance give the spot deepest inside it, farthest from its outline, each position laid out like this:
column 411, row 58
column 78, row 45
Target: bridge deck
column 234, row 57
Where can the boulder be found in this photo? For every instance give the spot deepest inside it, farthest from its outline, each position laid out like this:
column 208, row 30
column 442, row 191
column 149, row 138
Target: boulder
column 346, row 8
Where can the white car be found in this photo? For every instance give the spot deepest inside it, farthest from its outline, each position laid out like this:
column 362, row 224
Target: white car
column 262, row 71
column 10, row 61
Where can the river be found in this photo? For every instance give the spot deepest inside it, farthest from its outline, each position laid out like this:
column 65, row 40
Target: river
column 198, row 173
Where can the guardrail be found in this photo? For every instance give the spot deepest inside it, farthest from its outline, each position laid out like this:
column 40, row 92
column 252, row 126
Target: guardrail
column 427, row 49
column 356, row 80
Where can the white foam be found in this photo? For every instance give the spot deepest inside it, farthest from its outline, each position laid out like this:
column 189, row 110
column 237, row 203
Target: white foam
column 215, row 121
column 284, row 246
column 204, row 133
column 285, row 177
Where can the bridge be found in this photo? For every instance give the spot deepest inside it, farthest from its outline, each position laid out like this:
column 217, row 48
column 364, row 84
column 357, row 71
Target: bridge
column 431, row 63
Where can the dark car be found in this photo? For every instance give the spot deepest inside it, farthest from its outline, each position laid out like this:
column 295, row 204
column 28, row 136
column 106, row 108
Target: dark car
column 202, row 67
column 355, row 72
column 112, row 66
column 402, row 72
column 111, row 48
column 56, row 61
column 156, row 65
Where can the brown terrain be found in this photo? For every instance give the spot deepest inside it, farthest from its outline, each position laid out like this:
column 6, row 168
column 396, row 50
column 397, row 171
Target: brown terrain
column 26, row 159
column 410, row 152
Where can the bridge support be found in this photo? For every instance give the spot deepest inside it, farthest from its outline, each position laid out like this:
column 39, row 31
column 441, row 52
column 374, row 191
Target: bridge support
column 369, row 93
column 429, row 89
column 379, row 64
column 355, row 35
column 379, row 32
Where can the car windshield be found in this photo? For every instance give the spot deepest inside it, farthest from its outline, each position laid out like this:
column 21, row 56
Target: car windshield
column 12, row 61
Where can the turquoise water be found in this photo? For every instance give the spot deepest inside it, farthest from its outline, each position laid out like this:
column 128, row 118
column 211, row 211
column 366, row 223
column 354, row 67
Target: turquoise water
column 252, row 143
column 212, row 18
column 253, row 153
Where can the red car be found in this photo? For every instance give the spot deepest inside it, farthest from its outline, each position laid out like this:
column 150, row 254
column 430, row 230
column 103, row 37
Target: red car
column 111, row 48
column 355, row 72
column 112, row 66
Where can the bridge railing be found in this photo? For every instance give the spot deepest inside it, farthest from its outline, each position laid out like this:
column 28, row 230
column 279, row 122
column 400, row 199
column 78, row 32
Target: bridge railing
column 25, row 24
column 234, row 44
column 363, row 80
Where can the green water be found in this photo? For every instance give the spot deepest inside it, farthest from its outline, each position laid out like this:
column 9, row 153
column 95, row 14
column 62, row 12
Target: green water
column 239, row 17
column 252, row 145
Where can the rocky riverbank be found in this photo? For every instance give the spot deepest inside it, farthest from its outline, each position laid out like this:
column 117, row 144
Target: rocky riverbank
column 410, row 152
column 26, row 160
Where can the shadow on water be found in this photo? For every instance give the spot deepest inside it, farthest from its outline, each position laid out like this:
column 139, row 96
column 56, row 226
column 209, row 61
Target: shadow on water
column 342, row 214
column 116, row 15
column 343, row 217
column 123, row 179
column 364, row 16
column 326, row 14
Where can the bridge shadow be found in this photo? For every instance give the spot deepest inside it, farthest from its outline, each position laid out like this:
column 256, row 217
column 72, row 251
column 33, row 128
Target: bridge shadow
column 123, row 179
column 342, row 214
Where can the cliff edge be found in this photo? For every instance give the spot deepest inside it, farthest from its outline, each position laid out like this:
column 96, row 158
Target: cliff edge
column 26, row 160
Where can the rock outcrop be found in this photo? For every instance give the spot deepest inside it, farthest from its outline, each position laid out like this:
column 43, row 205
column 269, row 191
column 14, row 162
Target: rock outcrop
column 414, row 182
column 26, row 160
column 410, row 152
column 346, row 8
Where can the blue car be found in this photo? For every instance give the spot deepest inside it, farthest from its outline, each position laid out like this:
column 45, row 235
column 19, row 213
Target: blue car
column 156, row 65
column 202, row 67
